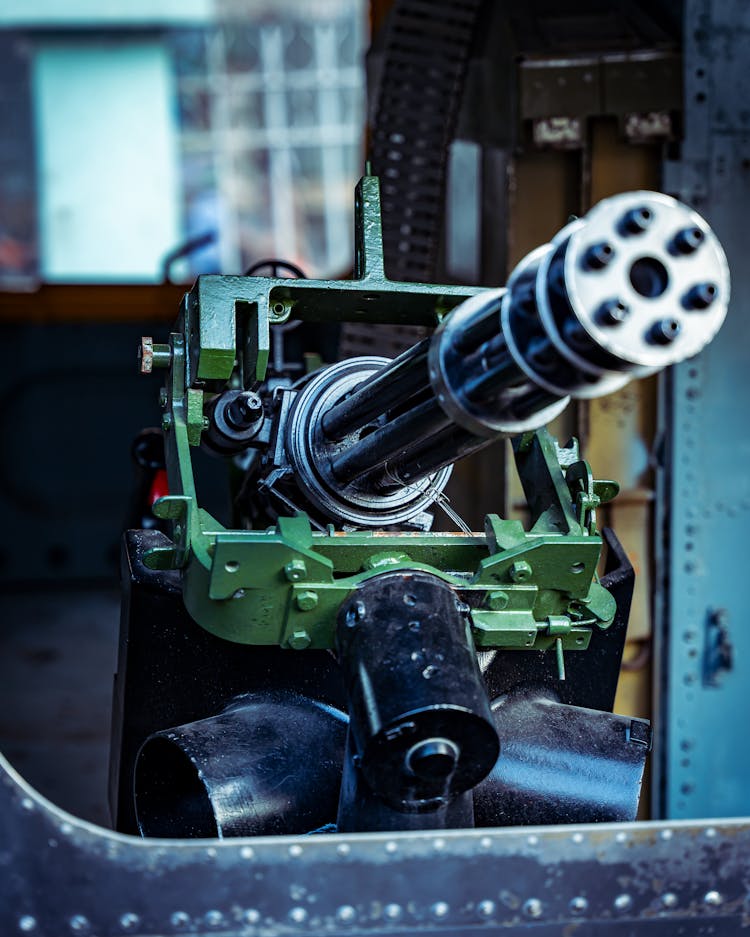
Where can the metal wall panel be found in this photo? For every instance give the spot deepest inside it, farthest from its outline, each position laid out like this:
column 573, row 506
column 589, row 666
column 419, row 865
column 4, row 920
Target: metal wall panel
column 704, row 758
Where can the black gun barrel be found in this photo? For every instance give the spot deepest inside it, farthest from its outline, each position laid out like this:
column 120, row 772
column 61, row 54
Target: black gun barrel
column 639, row 283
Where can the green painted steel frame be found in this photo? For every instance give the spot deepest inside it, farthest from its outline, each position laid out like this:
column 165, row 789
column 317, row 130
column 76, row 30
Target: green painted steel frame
column 526, row 590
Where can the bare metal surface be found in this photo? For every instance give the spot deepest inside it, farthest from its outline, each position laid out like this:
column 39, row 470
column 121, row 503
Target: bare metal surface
column 61, row 875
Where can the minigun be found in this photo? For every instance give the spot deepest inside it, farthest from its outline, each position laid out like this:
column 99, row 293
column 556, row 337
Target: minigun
column 340, row 666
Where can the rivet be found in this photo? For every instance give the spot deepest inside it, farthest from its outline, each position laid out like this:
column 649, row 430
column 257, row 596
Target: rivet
column 666, row 834
column 577, row 838
column 27, row 803
column 247, row 852
column 393, row 912
column 211, row 852
column 438, row 844
column 440, row 910
column 532, row 908
column 711, row 832
column 623, row 902
column 712, row 898
column 27, row 923
column 346, row 914
column 214, row 918
column 621, row 837
column 251, row 916
column 485, row 843
column 179, row 919
column 295, row 851
column 532, row 840
column 66, row 829
column 391, row 846
column 79, row 923
column 343, row 849
column 486, row 908
column 129, row 920
column 298, row 915
column 579, row 904
column 669, row 899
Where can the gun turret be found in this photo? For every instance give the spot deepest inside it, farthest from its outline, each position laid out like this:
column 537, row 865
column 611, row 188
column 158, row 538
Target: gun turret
column 639, row 283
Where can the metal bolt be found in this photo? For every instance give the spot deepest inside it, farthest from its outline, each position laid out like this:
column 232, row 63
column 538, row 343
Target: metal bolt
column 153, row 356
column 579, row 905
column 613, row 312
column 669, row 899
column 687, row 241
column 700, row 296
column 295, row 570
column 244, row 410
column 497, row 601
column 598, row 256
column 636, row 220
column 307, row 600
column 520, row 571
column 664, row 332
column 713, row 899
column 166, row 422
column 299, row 640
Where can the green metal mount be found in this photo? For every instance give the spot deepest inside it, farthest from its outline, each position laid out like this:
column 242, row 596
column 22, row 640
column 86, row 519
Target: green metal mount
column 526, row 590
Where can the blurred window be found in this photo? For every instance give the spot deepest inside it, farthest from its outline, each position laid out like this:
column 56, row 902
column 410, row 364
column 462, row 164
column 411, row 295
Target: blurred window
column 123, row 138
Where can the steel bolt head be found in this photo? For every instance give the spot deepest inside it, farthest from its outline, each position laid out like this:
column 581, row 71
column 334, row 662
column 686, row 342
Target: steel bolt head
column 307, row 600
column 520, row 571
column 299, row 640
column 295, row 570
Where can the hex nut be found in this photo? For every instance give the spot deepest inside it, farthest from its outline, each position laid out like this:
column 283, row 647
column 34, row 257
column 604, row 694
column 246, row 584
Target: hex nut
column 299, row 640
column 307, row 600
column 520, row 571
column 295, row 570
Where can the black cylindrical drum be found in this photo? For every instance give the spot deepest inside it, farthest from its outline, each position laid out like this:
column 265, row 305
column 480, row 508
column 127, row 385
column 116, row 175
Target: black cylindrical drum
column 420, row 717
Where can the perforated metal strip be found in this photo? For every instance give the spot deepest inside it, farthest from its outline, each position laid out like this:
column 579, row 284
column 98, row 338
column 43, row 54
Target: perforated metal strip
column 426, row 51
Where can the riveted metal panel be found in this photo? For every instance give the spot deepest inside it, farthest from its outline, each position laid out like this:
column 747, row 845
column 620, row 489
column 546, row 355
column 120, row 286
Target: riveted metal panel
column 63, row 876
column 704, row 759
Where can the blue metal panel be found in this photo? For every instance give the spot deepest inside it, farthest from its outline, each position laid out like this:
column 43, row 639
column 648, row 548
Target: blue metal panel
column 704, row 758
